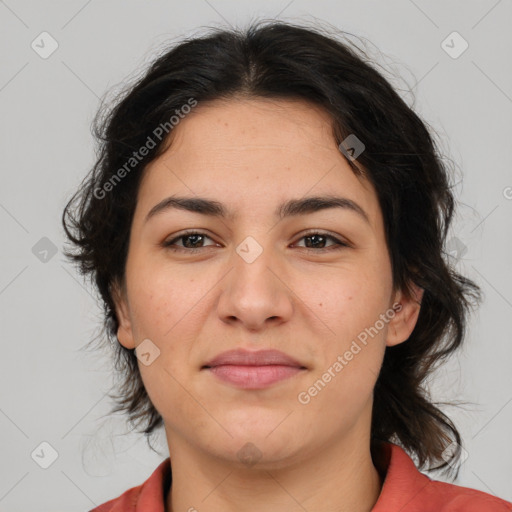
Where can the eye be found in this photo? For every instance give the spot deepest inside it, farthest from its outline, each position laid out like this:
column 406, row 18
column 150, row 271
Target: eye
column 191, row 240
column 316, row 238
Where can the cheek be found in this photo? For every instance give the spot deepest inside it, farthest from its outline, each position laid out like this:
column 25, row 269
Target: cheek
column 346, row 300
column 350, row 353
column 344, row 382
column 164, row 300
column 167, row 307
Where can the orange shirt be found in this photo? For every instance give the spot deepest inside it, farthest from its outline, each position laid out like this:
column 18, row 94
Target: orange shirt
column 405, row 489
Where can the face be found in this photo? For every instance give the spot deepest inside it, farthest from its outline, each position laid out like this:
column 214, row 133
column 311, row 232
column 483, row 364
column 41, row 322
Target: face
column 313, row 283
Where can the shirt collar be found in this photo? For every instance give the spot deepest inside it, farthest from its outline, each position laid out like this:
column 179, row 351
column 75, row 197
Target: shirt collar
column 402, row 480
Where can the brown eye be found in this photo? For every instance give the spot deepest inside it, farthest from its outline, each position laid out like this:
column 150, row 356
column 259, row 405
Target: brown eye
column 316, row 241
column 191, row 241
column 194, row 240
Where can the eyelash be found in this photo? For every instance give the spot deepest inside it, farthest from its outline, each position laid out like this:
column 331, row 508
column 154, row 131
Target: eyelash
column 339, row 244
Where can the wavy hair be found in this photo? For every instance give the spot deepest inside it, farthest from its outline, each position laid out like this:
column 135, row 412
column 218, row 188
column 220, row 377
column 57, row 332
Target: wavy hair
column 285, row 61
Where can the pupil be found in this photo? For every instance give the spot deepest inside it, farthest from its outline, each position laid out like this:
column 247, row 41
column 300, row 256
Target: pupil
column 315, row 237
column 192, row 236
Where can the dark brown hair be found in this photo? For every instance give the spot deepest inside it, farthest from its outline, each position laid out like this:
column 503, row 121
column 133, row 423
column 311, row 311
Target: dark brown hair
column 281, row 60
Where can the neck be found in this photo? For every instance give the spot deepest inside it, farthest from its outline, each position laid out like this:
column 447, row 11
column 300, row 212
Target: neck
column 336, row 478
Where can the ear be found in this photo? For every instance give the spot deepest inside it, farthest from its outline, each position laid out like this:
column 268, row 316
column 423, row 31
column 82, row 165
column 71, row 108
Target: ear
column 124, row 330
column 407, row 310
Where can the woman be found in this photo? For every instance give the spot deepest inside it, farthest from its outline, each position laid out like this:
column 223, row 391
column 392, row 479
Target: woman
column 265, row 224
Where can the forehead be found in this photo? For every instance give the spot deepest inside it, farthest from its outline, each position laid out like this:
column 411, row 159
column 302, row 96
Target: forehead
column 242, row 124
column 249, row 151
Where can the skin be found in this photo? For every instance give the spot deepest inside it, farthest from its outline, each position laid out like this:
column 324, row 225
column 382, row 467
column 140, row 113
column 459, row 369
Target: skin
column 251, row 155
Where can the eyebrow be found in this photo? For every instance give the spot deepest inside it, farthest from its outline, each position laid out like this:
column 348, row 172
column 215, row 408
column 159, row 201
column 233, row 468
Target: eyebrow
column 290, row 208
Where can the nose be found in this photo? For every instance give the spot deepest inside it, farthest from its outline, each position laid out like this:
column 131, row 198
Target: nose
column 256, row 294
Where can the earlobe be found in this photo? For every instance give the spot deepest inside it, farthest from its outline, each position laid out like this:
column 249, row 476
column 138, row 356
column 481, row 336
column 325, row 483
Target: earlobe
column 406, row 311
column 124, row 330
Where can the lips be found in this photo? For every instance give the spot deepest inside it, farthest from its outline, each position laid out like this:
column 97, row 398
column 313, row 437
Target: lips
column 246, row 358
column 253, row 370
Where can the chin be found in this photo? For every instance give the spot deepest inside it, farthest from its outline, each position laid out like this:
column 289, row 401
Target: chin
column 259, row 453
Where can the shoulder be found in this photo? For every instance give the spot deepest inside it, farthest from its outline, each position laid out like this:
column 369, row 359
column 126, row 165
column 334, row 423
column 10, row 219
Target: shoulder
column 148, row 496
column 454, row 498
column 406, row 489
column 124, row 503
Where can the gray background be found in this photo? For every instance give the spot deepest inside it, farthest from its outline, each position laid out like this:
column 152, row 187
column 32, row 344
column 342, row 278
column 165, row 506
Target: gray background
column 51, row 390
